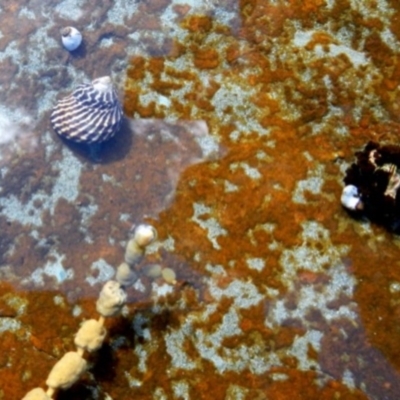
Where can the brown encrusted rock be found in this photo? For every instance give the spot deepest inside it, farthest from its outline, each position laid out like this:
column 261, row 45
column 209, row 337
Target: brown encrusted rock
column 153, row 6
column 376, row 176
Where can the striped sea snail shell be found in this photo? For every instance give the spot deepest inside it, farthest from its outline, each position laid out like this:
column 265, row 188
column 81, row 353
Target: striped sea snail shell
column 91, row 114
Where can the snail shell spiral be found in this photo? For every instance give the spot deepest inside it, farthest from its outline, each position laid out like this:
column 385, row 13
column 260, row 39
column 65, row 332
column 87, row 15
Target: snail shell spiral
column 91, row 114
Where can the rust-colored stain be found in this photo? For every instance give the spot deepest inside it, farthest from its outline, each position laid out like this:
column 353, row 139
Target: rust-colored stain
column 239, row 212
column 248, row 186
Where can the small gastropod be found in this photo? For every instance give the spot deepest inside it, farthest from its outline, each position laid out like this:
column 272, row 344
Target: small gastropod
column 153, row 271
column 71, row 38
column 125, row 275
column 351, row 198
column 169, row 275
column 143, row 235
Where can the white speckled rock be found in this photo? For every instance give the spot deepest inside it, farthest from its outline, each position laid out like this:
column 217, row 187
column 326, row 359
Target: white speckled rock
column 71, row 38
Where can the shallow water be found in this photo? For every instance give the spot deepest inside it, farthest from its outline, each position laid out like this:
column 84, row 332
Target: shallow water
column 241, row 119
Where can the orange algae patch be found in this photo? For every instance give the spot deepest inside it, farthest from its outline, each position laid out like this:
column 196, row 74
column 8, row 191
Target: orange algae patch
column 268, row 199
column 198, row 23
column 28, row 354
column 52, row 336
column 136, row 68
column 205, row 58
column 243, row 205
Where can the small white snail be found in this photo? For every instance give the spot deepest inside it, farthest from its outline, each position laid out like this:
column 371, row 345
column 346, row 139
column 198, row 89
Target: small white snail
column 71, row 38
column 169, row 275
column 351, row 199
column 143, row 235
column 125, row 275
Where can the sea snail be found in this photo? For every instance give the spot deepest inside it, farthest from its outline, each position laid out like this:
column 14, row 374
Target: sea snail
column 91, row 114
column 71, row 38
column 143, row 235
column 351, row 198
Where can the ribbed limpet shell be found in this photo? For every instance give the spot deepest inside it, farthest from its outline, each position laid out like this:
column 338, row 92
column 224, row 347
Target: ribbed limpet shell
column 91, row 114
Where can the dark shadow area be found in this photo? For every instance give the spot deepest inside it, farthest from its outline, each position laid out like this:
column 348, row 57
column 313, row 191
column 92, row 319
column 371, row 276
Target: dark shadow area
column 80, row 52
column 106, row 152
column 376, row 176
column 104, row 364
column 79, row 391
